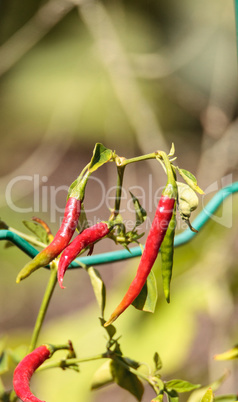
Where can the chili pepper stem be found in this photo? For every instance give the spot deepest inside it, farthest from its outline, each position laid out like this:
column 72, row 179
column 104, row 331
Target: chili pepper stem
column 79, row 189
column 44, row 305
column 70, row 362
column 170, row 173
column 120, row 174
column 154, row 383
column 123, row 162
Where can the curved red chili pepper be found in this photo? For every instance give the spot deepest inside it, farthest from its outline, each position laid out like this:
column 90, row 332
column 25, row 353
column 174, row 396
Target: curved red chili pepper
column 61, row 239
column 86, row 238
column 24, row 371
column 155, row 237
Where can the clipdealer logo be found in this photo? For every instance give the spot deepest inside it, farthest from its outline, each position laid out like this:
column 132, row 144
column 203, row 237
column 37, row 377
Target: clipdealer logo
column 45, row 198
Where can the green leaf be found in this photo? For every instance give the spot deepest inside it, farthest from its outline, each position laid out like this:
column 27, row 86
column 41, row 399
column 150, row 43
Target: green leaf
column 71, row 187
column 8, row 244
column 126, row 380
column 189, row 175
column 191, row 180
column 98, row 287
column 4, row 362
column 215, row 385
column 3, row 225
column 102, row 376
column 147, row 298
column 111, row 330
column 228, row 355
column 9, row 396
column 181, row 386
column 226, row 398
column 140, row 212
column 18, row 353
column 100, row 156
column 158, row 362
column 38, row 230
column 208, row 397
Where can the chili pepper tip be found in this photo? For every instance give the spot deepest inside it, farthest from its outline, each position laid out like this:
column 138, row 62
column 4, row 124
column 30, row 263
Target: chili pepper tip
column 18, row 279
column 167, row 297
column 60, row 280
column 110, row 321
column 106, row 324
column 22, row 275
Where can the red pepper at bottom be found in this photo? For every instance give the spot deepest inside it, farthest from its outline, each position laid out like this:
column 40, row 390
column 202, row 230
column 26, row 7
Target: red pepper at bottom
column 24, row 371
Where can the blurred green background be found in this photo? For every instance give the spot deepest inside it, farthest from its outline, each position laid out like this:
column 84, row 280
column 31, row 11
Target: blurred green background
column 135, row 76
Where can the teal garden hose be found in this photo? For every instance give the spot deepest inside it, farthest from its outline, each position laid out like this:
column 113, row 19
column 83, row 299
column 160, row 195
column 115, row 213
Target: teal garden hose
column 118, row 255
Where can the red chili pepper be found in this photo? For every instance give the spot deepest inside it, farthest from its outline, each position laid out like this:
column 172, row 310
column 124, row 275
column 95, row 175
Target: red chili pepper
column 25, row 369
column 155, row 237
column 154, row 240
column 86, row 238
column 61, row 239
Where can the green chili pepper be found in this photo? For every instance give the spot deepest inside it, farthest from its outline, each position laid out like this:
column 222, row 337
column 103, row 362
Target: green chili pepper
column 167, row 253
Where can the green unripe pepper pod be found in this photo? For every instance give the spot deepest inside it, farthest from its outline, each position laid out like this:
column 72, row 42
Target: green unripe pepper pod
column 167, row 254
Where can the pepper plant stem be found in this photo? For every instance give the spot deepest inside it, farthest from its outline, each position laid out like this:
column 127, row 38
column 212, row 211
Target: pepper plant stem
column 80, row 183
column 71, row 362
column 44, row 306
column 120, row 174
column 124, row 162
column 121, row 164
column 170, row 173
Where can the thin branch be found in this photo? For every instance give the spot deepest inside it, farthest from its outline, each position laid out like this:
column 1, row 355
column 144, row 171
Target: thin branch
column 222, row 156
column 164, row 63
column 53, row 146
column 32, row 32
column 44, row 306
column 116, row 62
column 219, row 144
